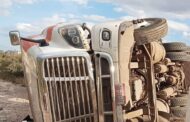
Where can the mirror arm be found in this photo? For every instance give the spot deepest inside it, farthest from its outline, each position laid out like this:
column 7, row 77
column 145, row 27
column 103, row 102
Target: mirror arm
column 42, row 42
column 84, row 27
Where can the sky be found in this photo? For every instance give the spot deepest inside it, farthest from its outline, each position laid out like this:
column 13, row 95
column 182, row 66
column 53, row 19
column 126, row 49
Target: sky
column 30, row 17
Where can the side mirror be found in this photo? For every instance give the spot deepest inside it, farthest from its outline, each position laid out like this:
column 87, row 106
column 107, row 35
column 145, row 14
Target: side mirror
column 14, row 37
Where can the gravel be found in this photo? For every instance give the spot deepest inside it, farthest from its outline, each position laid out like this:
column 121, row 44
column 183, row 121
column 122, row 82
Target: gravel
column 14, row 104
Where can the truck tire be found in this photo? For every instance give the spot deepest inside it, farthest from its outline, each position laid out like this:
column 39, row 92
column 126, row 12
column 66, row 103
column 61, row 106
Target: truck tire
column 178, row 101
column 175, row 46
column 154, row 32
column 179, row 111
column 178, row 56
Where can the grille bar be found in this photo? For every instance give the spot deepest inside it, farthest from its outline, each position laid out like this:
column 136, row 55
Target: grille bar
column 56, row 93
column 73, row 102
column 67, row 78
column 78, row 103
column 69, row 89
column 62, row 98
column 77, row 118
column 67, row 96
column 81, row 86
column 87, row 92
column 50, row 91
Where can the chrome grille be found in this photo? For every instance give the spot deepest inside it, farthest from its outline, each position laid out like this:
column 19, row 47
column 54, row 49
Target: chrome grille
column 69, row 89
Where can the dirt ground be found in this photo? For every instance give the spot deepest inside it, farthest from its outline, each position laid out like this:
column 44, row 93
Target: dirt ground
column 14, row 104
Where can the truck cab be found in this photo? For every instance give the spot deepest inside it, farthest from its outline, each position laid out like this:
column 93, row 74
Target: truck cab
column 118, row 71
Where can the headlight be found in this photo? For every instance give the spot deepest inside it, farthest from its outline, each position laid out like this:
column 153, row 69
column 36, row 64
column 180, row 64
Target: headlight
column 75, row 40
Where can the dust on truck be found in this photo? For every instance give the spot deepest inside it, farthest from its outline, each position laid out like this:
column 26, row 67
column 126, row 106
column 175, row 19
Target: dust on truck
column 118, row 71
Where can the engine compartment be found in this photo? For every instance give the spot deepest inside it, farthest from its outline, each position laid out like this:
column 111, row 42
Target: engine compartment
column 171, row 89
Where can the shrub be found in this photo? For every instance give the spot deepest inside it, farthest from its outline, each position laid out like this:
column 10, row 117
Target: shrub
column 11, row 66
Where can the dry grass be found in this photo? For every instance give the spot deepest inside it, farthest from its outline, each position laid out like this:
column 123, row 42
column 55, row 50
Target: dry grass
column 11, row 68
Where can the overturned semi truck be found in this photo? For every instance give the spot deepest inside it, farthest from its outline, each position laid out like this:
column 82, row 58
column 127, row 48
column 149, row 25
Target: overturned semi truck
column 118, row 71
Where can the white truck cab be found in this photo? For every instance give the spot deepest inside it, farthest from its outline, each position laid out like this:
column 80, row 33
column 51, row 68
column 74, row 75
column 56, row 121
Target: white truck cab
column 118, row 71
